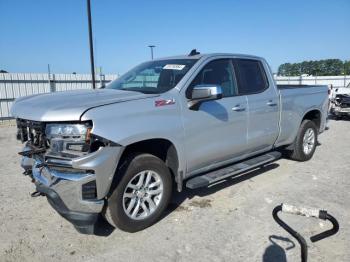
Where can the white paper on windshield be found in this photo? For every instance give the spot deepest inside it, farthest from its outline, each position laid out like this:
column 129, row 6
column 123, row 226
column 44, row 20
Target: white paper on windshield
column 174, row 67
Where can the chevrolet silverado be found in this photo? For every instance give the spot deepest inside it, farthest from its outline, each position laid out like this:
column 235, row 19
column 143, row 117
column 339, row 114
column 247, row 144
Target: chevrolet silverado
column 184, row 121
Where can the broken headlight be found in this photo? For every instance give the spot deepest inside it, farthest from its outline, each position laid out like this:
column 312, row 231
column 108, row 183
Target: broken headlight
column 74, row 131
column 68, row 138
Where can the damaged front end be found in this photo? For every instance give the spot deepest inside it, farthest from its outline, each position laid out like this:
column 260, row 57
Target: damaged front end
column 341, row 105
column 71, row 166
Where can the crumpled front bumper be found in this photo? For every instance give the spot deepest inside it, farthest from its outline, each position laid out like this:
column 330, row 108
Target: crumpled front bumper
column 84, row 222
column 341, row 110
column 64, row 183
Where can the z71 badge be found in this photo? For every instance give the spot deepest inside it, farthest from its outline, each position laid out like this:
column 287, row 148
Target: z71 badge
column 164, row 102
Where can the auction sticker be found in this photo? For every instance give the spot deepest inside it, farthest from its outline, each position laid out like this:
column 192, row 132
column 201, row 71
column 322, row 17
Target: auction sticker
column 174, row 67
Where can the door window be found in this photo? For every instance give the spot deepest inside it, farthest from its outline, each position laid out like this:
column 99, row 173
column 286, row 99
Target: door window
column 251, row 76
column 217, row 72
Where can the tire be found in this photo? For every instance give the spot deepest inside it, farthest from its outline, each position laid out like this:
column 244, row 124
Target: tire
column 127, row 193
column 299, row 153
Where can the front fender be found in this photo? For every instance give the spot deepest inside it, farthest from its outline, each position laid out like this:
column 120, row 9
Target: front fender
column 134, row 121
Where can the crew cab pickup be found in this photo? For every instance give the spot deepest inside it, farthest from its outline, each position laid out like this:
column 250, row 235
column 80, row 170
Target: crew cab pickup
column 185, row 121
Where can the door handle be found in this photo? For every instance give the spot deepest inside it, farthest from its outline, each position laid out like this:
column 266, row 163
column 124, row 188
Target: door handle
column 238, row 108
column 271, row 103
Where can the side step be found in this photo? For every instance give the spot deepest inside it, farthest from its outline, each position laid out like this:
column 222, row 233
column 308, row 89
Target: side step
column 217, row 175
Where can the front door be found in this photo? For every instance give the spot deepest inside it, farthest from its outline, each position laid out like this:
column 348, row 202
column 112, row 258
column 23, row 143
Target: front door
column 216, row 132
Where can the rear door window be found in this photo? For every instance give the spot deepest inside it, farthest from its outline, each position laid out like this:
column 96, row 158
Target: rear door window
column 251, row 76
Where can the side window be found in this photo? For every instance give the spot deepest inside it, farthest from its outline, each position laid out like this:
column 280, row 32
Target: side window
column 217, row 72
column 251, row 76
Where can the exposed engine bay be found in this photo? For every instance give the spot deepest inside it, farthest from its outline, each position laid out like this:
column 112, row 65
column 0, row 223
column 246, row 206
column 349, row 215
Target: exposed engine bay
column 340, row 105
column 58, row 140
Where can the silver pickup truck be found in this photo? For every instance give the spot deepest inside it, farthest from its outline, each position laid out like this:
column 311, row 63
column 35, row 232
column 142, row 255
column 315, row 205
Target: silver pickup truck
column 185, row 121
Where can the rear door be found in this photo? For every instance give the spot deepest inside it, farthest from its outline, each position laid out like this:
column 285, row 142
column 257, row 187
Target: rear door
column 263, row 104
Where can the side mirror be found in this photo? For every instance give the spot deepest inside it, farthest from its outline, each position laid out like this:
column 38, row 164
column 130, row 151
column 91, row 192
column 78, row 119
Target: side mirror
column 202, row 93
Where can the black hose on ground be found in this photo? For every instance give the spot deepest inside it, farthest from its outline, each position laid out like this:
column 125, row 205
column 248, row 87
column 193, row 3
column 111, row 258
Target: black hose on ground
column 291, row 231
column 308, row 212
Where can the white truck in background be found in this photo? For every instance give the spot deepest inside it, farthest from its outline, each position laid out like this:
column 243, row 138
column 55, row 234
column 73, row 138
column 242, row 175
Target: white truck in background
column 340, row 101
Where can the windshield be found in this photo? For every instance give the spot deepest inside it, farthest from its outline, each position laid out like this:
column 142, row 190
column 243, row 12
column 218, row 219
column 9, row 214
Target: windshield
column 154, row 77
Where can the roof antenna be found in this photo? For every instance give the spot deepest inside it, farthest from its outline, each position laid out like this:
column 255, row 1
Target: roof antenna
column 193, row 52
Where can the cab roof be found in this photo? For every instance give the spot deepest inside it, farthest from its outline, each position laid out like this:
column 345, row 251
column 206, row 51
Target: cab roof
column 209, row 55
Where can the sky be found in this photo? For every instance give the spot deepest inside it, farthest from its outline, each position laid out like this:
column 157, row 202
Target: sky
column 34, row 33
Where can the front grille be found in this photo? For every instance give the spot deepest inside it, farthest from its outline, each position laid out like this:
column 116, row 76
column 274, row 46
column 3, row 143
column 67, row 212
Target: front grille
column 345, row 105
column 31, row 131
column 343, row 100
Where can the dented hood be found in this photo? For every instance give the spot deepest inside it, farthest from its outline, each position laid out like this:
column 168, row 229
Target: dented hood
column 69, row 105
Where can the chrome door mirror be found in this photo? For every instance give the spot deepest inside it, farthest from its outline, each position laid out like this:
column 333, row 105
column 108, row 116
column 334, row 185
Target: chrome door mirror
column 202, row 93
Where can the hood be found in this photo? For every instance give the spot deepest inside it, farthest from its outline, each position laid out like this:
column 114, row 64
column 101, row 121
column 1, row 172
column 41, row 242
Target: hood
column 342, row 90
column 69, row 105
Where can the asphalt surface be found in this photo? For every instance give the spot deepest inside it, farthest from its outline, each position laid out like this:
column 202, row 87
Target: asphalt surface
column 230, row 221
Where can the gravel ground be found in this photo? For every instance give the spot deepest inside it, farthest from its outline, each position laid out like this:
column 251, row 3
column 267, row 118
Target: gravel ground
column 228, row 222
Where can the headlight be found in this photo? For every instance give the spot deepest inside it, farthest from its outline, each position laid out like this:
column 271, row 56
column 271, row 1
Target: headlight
column 68, row 138
column 72, row 131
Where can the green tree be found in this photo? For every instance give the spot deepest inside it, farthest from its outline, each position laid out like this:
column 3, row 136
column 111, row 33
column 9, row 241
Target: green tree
column 346, row 68
column 321, row 67
column 283, row 69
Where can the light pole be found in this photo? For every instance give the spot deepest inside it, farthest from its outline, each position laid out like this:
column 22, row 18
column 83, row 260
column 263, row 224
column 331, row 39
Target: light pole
column 91, row 45
column 344, row 74
column 151, row 47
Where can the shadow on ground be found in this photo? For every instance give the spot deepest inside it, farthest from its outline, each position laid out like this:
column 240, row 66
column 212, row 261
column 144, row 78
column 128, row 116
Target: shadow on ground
column 339, row 118
column 103, row 228
column 180, row 197
column 274, row 252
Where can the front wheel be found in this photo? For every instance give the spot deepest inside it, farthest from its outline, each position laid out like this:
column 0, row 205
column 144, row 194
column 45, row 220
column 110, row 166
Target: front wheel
column 305, row 143
column 142, row 194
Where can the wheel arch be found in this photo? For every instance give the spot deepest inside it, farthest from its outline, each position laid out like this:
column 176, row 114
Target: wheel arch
column 314, row 115
column 159, row 147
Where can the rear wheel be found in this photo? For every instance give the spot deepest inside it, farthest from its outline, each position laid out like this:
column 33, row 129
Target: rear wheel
column 305, row 143
column 142, row 194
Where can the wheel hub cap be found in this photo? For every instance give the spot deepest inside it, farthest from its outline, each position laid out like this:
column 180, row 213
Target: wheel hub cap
column 140, row 193
column 143, row 194
column 309, row 141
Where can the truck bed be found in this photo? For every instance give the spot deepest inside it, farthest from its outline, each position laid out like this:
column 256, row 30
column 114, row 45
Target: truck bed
column 295, row 100
column 297, row 86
